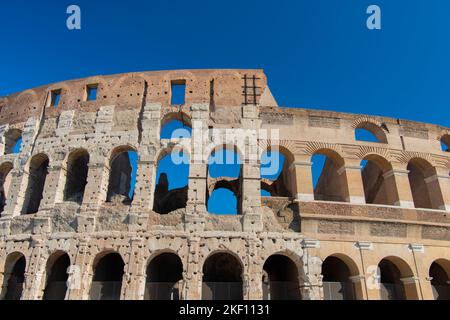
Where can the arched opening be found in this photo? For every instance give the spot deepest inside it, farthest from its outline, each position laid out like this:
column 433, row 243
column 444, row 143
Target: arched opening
column 173, row 178
column 57, row 275
column 445, row 143
column 122, row 176
column 224, row 191
column 13, row 141
column 38, row 171
column 370, row 132
column 175, row 126
column 164, row 273
column 329, row 176
column 379, row 181
column 440, row 279
column 276, row 180
column 222, row 277
column 76, row 179
column 107, row 280
column 14, row 277
column 424, row 184
column 337, row 284
column 5, row 182
column 280, row 279
column 396, row 280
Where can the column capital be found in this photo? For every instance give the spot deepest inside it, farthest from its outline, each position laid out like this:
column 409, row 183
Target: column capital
column 311, row 243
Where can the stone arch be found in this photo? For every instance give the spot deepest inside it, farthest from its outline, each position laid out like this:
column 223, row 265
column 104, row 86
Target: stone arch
column 164, row 273
column 332, row 184
column 13, row 140
column 281, row 280
column 37, row 174
column 379, row 181
column 108, row 271
column 13, row 276
column 120, row 175
column 5, row 183
column 374, row 127
column 397, row 280
column 179, row 116
column 285, row 184
column 76, row 175
column 341, row 278
column 439, row 274
column 56, row 276
column 424, row 184
column 25, row 98
column 222, row 276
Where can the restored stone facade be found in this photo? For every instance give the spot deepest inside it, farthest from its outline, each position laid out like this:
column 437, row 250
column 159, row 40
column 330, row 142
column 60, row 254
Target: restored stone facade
column 301, row 224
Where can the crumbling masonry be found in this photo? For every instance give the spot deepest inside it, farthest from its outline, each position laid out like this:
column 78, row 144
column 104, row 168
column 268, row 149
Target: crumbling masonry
column 70, row 230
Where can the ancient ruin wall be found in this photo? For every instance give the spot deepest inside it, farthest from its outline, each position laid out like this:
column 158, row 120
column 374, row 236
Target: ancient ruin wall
column 128, row 114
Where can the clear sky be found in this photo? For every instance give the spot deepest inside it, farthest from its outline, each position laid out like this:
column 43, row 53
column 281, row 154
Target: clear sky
column 316, row 53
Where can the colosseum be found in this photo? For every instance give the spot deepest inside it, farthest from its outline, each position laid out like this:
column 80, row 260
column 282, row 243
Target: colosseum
column 374, row 226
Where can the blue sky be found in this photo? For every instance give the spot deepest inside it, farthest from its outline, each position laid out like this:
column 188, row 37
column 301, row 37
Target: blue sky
column 316, row 53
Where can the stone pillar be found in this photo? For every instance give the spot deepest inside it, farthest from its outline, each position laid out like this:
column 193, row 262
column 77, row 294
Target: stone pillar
column 251, row 196
column 354, row 180
column 146, row 172
column 254, row 290
column 403, row 188
column 97, row 184
column 49, row 194
column 80, row 273
column 192, row 275
column 196, row 209
column 412, row 288
column 359, row 287
column 301, row 170
column 35, row 272
column 311, row 285
column 440, row 188
column 133, row 285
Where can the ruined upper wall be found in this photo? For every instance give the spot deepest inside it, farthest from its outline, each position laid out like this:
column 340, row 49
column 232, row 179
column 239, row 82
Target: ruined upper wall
column 129, row 91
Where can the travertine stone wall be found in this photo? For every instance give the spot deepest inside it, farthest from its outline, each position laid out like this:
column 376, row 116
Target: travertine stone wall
column 128, row 114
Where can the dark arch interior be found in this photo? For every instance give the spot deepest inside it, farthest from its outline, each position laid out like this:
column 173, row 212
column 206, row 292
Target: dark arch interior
column 163, row 273
column 77, row 172
column 330, row 182
column 36, row 183
column 280, row 281
column 336, row 280
column 120, row 178
column 425, row 195
column 107, row 280
column 379, row 188
column 15, row 280
column 222, row 278
column 56, row 279
column 390, row 284
column 440, row 282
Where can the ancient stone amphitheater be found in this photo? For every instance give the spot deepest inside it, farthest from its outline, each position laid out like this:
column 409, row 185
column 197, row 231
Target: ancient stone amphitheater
column 69, row 230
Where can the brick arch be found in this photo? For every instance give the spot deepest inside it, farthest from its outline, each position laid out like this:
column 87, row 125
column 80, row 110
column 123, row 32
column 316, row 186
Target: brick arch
column 406, row 156
column 181, row 115
column 115, row 151
column 314, row 147
column 286, row 147
column 126, row 80
column 365, row 151
column 164, row 151
column 377, row 128
column 223, row 250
